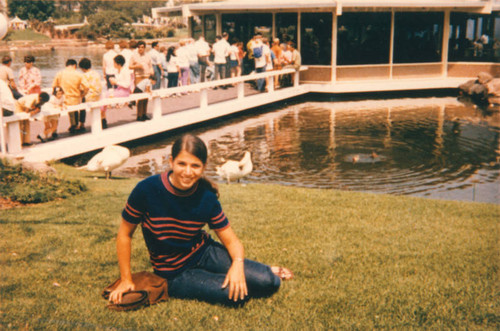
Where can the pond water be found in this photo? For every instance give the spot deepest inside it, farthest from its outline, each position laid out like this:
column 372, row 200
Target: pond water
column 51, row 61
column 430, row 147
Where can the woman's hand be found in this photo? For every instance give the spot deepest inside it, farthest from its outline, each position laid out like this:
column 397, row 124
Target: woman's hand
column 236, row 281
column 124, row 286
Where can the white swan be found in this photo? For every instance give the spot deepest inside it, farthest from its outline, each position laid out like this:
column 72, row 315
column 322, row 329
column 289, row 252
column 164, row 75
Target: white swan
column 110, row 158
column 234, row 170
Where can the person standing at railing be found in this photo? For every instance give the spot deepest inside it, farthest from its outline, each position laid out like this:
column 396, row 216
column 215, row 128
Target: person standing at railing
column 155, row 56
column 123, row 82
column 261, row 54
column 278, row 60
column 172, row 67
column 7, row 100
column 31, row 104
column 108, row 68
column 194, row 66
column 141, row 64
column 234, row 59
column 7, row 75
column 92, row 83
column 221, row 51
column 126, row 51
column 183, row 62
column 203, row 57
column 71, row 81
column 30, row 78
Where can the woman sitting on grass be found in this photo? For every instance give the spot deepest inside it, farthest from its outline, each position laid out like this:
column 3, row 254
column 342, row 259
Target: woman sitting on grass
column 172, row 209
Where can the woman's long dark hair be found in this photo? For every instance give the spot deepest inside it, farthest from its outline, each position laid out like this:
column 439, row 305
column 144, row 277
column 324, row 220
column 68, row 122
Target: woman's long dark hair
column 170, row 52
column 195, row 146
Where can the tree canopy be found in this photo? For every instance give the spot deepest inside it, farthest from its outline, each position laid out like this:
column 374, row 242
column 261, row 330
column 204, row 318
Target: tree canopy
column 30, row 10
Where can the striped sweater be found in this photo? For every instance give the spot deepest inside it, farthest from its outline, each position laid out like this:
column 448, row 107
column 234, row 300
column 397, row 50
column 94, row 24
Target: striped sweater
column 172, row 221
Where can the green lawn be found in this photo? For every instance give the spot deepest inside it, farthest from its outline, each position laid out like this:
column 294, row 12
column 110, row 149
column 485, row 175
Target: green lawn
column 361, row 261
column 27, row 34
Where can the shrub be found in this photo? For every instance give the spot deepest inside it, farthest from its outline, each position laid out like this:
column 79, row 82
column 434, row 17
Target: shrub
column 27, row 186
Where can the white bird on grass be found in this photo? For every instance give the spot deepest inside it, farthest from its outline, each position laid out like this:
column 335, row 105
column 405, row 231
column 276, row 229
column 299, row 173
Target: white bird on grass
column 234, row 170
column 110, row 158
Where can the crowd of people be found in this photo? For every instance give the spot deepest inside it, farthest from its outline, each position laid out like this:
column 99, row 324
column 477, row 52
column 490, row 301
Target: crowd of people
column 128, row 68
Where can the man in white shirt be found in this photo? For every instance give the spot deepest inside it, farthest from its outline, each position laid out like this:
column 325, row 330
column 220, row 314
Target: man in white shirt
column 260, row 54
column 108, row 65
column 203, row 53
column 220, row 50
column 155, row 56
column 194, row 66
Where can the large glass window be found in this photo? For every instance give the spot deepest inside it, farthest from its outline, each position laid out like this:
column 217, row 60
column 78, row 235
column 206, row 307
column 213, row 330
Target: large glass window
column 286, row 27
column 316, row 38
column 474, row 37
column 196, row 27
column 417, row 37
column 210, row 28
column 363, row 38
column 244, row 26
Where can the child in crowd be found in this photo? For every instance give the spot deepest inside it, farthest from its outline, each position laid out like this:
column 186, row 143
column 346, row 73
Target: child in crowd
column 56, row 103
column 31, row 104
column 144, row 86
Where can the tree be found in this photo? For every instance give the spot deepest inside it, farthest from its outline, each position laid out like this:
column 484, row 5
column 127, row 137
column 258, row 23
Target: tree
column 110, row 24
column 30, row 10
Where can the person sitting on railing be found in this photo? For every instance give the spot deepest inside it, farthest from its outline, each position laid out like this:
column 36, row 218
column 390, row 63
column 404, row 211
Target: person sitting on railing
column 31, row 104
column 51, row 121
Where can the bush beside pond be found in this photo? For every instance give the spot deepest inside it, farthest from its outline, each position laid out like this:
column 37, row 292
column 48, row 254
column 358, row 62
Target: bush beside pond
column 25, row 186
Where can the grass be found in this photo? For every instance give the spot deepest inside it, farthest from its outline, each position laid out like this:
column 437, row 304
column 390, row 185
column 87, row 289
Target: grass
column 361, row 261
column 26, row 186
column 26, row 34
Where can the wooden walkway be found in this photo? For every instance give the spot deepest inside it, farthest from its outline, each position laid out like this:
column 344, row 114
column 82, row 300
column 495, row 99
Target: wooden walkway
column 169, row 108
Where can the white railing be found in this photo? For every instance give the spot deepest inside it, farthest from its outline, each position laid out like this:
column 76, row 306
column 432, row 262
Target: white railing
column 11, row 141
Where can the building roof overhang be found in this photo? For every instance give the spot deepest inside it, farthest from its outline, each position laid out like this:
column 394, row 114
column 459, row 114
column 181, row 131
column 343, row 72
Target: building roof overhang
column 475, row 6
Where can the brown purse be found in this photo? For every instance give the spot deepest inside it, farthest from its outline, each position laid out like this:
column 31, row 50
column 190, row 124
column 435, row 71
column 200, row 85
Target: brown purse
column 149, row 290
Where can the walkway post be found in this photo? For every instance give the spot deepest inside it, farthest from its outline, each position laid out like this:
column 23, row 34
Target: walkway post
column 96, row 124
column 156, row 106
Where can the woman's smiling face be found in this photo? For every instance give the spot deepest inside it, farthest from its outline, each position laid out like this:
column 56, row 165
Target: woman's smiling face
column 187, row 169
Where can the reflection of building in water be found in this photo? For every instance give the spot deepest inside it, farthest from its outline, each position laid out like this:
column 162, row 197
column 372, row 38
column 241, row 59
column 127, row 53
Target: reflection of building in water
column 363, row 40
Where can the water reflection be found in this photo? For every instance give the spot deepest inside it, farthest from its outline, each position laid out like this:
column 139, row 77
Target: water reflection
column 432, row 147
column 50, row 61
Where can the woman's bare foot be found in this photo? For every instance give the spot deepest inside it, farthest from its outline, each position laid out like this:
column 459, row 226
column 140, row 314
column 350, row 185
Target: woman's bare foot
column 282, row 272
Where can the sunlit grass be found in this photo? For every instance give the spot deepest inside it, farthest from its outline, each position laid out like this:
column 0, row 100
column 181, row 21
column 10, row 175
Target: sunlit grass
column 361, row 261
column 26, row 34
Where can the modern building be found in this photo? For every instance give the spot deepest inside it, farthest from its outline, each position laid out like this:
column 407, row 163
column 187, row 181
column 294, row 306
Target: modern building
column 416, row 43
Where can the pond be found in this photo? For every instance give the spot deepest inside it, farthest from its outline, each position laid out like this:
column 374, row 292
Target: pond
column 51, row 61
column 430, row 147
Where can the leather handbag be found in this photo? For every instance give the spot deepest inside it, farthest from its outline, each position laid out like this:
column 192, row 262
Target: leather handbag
column 149, row 290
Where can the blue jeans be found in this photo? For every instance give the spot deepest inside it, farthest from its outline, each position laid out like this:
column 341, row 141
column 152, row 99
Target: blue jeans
column 157, row 72
column 261, row 83
column 194, row 72
column 204, row 280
